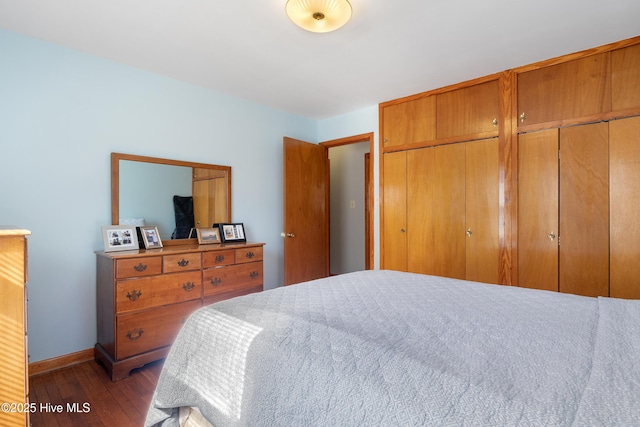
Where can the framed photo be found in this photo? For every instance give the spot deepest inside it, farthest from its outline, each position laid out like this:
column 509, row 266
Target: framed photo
column 120, row 238
column 150, row 237
column 208, row 235
column 232, row 233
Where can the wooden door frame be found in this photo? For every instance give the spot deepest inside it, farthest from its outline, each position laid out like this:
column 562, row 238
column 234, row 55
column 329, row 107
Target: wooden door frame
column 355, row 139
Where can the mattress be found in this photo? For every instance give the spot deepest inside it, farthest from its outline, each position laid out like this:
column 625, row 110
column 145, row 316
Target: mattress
column 399, row 349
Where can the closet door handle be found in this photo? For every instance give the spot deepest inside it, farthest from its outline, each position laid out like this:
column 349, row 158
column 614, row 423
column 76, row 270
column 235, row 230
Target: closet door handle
column 469, row 232
column 552, row 235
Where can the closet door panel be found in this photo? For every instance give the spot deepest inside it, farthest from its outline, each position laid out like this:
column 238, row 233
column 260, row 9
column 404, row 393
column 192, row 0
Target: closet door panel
column 394, row 214
column 538, row 210
column 410, row 122
column 584, row 210
column 481, row 189
column 420, row 206
column 468, row 110
column 449, row 211
column 572, row 89
column 624, row 188
column 625, row 78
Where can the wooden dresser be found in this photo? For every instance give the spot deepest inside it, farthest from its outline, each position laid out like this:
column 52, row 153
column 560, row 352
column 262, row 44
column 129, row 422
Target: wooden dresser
column 145, row 296
column 14, row 380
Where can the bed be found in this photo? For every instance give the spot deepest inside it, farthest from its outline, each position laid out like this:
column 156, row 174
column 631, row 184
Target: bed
column 399, row 349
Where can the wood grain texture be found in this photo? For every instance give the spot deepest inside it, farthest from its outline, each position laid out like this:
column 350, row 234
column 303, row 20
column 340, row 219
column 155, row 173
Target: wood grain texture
column 449, row 211
column 420, row 210
column 625, row 78
column 394, row 212
column 123, row 403
column 306, row 211
column 624, row 188
column 482, row 207
column 467, row 111
column 409, row 122
column 572, row 89
column 584, row 210
column 538, row 210
column 13, row 315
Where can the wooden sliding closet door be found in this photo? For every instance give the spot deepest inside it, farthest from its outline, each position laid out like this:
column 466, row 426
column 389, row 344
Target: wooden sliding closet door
column 482, row 205
column 624, row 146
column 563, row 210
column 394, row 211
column 420, row 210
column 538, row 210
column 584, row 209
column 449, row 211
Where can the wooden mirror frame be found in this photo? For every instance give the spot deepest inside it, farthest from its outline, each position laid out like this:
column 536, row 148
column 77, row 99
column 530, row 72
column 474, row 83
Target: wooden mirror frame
column 115, row 185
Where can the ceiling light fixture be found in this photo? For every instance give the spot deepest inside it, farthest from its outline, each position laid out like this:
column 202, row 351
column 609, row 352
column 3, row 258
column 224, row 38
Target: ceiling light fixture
column 319, row 16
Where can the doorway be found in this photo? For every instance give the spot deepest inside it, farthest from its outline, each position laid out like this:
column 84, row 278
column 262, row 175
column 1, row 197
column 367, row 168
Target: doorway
column 351, row 210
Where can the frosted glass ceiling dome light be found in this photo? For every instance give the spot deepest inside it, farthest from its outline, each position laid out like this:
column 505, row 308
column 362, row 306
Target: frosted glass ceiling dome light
column 319, row 16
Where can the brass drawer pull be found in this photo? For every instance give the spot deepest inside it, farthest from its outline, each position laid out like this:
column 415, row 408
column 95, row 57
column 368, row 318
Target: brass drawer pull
column 134, row 295
column 216, row 281
column 219, row 258
column 250, row 255
column 135, row 334
column 254, row 274
column 188, row 286
column 183, row 262
column 140, row 267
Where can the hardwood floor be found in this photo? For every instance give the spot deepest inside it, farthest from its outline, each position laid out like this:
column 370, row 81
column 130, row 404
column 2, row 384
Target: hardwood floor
column 85, row 396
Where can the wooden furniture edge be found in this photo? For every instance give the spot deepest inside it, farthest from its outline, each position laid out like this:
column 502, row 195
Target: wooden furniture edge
column 119, row 370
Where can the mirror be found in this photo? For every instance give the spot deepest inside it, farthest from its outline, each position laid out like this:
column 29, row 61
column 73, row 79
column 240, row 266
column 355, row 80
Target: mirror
column 143, row 190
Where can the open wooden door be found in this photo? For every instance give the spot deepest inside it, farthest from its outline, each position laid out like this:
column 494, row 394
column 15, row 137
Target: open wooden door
column 306, row 211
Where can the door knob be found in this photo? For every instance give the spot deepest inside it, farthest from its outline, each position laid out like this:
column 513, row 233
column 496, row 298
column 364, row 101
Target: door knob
column 552, row 235
column 283, row 234
column 469, row 232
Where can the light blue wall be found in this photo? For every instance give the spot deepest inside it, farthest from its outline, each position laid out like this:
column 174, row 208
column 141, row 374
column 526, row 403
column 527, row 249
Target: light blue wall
column 61, row 115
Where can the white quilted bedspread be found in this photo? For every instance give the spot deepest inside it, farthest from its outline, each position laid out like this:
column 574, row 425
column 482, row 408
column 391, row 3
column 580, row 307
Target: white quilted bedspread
column 384, row 348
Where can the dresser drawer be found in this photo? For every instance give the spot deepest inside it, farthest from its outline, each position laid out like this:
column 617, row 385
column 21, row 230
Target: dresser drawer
column 146, row 292
column 232, row 278
column 136, row 267
column 248, row 255
column 152, row 329
column 214, row 258
column 182, row 262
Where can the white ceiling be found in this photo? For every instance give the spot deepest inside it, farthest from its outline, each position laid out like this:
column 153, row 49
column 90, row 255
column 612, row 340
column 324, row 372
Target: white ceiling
column 389, row 49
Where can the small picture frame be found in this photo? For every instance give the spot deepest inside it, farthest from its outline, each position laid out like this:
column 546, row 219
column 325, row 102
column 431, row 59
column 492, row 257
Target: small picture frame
column 150, row 237
column 119, row 238
column 208, row 235
column 232, row 232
